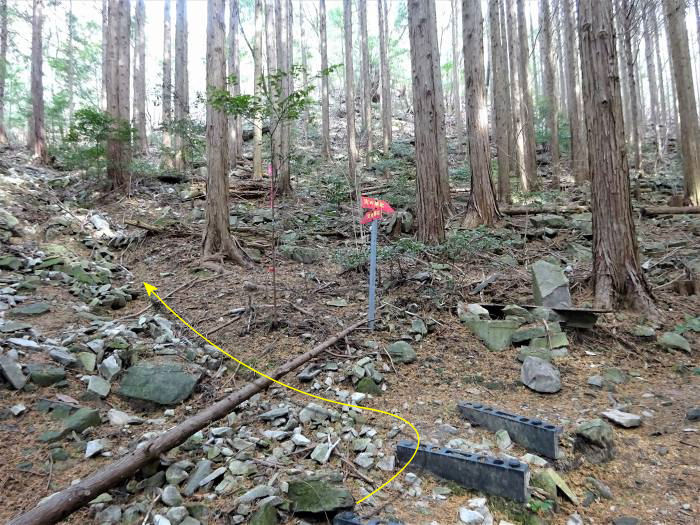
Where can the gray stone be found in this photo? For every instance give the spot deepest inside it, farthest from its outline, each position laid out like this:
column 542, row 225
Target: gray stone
column 94, row 447
column 314, row 412
column 624, row 419
column 300, row 440
column 82, row 419
column 470, row 517
column 693, row 414
column 163, row 384
column 275, row 413
column 176, row 515
column 112, row 514
column 615, row 375
column 550, row 341
column 525, row 351
column 548, row 220
column 302, row 254
column 626, row 520
column 211, row 477
column 674, row 341
column 87, row 360
column 98, row 386
column 595, row 440
column 24, row 343
column 159, row 519
column 321, row 453
column 189, row 520
column 418, row 327
column 9, row 327
column 503, row 439
column 599, row 488
column 643, row 331
column 31, row 309
column 261, row 491
column 119, row 418
column 110, row 367
column 366, row 385
column 525, row 334
column 540, row 376
column 596, row 381
column 265, row 515
column 18, row 409
column 496, row 335
column 550, row 285
column 171, row 496
column 201, row 471
column 12, row 372
column 364, row 460
column 401, row 352
column 316, row 496
column 45, row 375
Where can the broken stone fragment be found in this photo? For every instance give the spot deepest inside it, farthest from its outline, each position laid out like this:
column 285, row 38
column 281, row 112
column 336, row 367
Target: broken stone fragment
column 401, row 352
column 550, row 285
column 540, row 376
column 317, row 496
column 497, row 334
column 165, row 384
column 595, row 440
column 12, row 372
column 624, row 419
column 674, row 341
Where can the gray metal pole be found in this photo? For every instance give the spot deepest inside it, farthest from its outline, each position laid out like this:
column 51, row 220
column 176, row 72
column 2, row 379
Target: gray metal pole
column 372, row 272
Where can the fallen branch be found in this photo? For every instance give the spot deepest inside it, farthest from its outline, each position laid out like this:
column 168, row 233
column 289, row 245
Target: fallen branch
column 653, row 211
column 65, row 502
column 524, row 210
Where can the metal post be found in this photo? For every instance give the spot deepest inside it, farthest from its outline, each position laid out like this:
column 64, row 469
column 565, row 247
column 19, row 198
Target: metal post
column 372, row 272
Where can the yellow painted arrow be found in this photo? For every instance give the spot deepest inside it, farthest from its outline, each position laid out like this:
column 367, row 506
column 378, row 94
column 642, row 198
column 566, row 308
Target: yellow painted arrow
column 151, row 290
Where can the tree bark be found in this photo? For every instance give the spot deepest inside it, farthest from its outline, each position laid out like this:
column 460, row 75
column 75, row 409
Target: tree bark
column 685, row 92
column 482, row 207
column 217, row 237
column 325, row 115
column 518, row 146
column 284, row 184
column 167, row 95
column 258, row 69
column 350, row 98
column 105, row 54
column 551, row 102
column 617, row 275
column 3, row 68
column 649, row 29
column 118, row 94
column 140, row 78
column 528, row 113
column 627, row 18
column 70, row 499
column 182, row 96
column 456, row 97
column 70, row 80
column 579, row 153
column 38, row 141
column 305, row 72
column 429, row 123
column 501, row 111
column 235, row 140
column 366, row 81
column 662, row 81
column 385, row 77
column 271, row 47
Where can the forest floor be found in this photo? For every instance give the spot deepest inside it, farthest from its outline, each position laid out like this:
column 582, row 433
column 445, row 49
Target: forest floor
column 67, row 228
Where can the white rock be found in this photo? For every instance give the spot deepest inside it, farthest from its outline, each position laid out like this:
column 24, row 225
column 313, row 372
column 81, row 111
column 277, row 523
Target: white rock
column 470, row 517
column 119, row 418
column 624, row 419
column 158, row 519
column 18, row 409
column 94, row 447
column 300, row 440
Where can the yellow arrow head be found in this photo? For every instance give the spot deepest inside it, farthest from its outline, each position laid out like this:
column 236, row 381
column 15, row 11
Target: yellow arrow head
column 149, row 288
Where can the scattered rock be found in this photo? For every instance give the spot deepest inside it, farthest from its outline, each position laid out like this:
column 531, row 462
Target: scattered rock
column 470, row 517
column 366, row 385
column 540, row 376
column 265, row 515
column 171, row 496
column 624, row 419
column 45, row 375
column 99, row 386
column 318, row 496
column 496, row 335
column 119, row 418
column 201, row 471
column 256, row 493
column 594, row 439
column 31, row 309
column 94, row 447
column 163, row 384
column 626, row 520
column 674, row 341
column 401, row 352
column 18, row 409
column 12, row 372
column 550, row 285
column 693, row 414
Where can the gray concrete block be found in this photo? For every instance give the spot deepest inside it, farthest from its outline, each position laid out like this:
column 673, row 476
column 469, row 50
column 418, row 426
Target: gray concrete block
column 533, row 434
column 489, row 474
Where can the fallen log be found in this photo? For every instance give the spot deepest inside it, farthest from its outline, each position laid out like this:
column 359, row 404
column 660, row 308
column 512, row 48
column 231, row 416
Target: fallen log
column 652, row 211
column 67, row 501
column 524, row 210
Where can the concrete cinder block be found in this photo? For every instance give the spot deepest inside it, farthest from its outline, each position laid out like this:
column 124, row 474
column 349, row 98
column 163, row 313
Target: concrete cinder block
column 533, row 434
column 350, row 518
column 489, row 474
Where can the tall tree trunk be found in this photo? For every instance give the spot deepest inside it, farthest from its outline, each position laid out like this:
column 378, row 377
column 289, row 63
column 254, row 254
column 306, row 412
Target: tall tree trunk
column 551, row 102
column 350, row 98
column 366, row 81
column 627, row 18
column 217, row 237
column 528, row 109
column 235, row 140
column 674, row 11
column 385, row 77
column 3, row 68
column 284, row 184
column 513, row 159
column 429, row 115
column 167, row 85
column 305, row 72
column 257, row 73
column 105, row 54
column 649, row 29
column 325, row 115
column 617, row 275
column 38, row 132
column 516, row 96
column 271, row 47
column 71, row 64
column 456, row 97
column 182, row 96
column 662, row 81
column 118, row 94
column 140, row 78
column 579, row 153
column 500, row 110
column 482, row 208
column 624, row 75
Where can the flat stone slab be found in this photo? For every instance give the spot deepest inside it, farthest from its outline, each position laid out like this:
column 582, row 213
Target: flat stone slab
column 11, row 371
column 31, row 309
column 624, row 419
column 316, row 496
column 495, row 334
column 165, row 384
column 540, row 375
column 550, row 285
